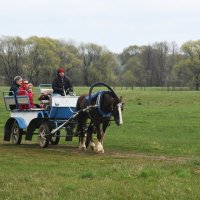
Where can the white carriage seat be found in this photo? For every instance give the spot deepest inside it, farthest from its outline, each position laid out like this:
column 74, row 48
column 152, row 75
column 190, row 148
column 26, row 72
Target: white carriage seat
column 23, row 100
column 17, row 101
column 10, row 102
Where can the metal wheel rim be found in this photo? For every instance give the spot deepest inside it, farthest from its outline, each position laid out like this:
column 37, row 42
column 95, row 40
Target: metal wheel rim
column 15, row 133
column 53, row 138
column 42, row 136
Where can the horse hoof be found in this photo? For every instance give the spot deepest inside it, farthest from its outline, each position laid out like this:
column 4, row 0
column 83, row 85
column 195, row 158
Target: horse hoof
column 99, row 150
column 82, row 148
column 92, row 146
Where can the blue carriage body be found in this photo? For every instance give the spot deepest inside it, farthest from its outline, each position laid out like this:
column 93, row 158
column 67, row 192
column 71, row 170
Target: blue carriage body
column 62, row 107
column 59, row 108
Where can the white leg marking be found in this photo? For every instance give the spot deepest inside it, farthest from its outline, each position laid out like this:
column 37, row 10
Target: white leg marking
column 99, row 148
column 82, row 145
column 92, row 145
column 120, row 114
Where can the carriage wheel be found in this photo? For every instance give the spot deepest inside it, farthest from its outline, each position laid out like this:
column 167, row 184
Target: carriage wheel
column 43, row 135
column 55, row 138
column 16, row 133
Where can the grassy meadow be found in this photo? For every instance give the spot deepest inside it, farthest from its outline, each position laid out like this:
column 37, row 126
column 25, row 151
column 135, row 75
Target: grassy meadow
column 154, row 155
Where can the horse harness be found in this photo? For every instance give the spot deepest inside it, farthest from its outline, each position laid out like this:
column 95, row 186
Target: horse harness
column 98, row 104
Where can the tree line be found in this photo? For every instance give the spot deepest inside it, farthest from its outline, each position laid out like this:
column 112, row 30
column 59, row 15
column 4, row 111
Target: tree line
column 160, row 64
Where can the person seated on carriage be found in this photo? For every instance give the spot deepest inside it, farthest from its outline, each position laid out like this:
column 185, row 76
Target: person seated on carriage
column 22, row 92
column 15, row 85
column 44, row 100
column 30, row 95
column 62, row 84
column 27, row 89
column 14, row 88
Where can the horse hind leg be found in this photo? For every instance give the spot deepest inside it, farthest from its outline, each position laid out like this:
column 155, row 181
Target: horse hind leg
column 82, row 139
column 80, row 129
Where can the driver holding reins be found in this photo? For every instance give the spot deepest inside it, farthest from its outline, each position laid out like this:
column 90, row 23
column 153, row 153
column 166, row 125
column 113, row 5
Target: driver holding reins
column 62, row 84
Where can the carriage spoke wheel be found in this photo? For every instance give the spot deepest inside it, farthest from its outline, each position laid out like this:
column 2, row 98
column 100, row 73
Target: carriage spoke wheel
column 16, row 133
column 55, row 138
column 43, row 135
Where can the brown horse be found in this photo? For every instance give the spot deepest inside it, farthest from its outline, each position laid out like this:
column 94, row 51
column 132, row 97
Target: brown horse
column 105, row 104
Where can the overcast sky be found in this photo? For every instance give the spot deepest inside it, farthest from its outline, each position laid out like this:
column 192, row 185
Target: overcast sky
column 115, row 24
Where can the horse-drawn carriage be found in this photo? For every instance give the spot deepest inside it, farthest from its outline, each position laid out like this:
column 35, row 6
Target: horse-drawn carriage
column 69, row 112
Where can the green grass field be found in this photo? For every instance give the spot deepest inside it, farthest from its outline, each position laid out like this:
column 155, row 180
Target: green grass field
column 154, row 155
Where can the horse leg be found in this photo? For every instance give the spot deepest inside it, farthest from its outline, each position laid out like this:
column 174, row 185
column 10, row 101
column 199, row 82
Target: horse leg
column 101, row 131
column 99, row 145
column 89, row 139
column 82, row 145
column 80, row 129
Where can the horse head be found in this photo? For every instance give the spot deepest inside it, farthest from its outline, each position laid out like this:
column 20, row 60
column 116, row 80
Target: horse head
column 113, row 105
column 117, row 111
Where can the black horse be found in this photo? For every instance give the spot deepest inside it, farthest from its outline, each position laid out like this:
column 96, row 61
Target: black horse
column 104, row 105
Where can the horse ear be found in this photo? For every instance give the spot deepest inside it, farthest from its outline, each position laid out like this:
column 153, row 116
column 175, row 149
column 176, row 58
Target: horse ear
column 120, row 99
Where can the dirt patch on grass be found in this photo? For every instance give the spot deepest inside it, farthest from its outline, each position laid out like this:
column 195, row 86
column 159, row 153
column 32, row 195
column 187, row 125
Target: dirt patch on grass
column 70, row 149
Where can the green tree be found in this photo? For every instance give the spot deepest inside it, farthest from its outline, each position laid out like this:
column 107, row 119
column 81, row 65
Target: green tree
column 191, row 50
column 42, row 59
column 134, row 72
column 131, row 51
column 89, row 54
column 11, row 57
column 98, row 64
column 102, row 69
column 71, row 60
column 147, row 60
column 173, row 58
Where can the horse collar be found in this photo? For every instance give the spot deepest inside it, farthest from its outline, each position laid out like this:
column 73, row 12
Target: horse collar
column 98, row 103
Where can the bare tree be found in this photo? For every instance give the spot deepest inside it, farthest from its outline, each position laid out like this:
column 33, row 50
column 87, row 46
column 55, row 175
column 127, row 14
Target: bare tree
column 148, row 61
column 90, row 53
